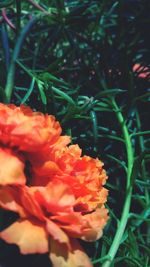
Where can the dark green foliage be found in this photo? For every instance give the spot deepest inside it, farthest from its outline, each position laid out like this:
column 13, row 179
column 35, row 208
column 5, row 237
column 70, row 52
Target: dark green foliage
column 75, row 59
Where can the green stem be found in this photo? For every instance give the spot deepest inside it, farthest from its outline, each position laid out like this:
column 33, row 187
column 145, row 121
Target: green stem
column 11, row 71
column 125, row 214
column 18, row 8
column 142, row 148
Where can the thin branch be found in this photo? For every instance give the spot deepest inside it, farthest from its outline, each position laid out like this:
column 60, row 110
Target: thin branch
column 4, row 15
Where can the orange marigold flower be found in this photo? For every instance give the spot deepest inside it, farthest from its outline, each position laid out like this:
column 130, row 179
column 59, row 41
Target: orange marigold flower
column 57, row 193
column 26, row 130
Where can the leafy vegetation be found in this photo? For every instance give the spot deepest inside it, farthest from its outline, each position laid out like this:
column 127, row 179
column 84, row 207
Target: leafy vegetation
column 76, row 59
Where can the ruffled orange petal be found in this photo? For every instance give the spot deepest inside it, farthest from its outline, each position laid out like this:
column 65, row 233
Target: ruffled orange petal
column 30, row 204
column 63, row 257
column 91, row 201
column 48, row 152
column 28, row 235
column 72, row 223
column 55, row 231
column 12, row 169
column 60, row 145
column 44, row 173
column 94, row 224
column 85, row 175
column 35, row 132
column 28, row 130
column 67, row 158
column 55, row 197
column 10, row 200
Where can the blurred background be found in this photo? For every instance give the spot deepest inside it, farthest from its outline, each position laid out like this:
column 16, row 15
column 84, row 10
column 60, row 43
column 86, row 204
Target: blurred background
column 86, row 62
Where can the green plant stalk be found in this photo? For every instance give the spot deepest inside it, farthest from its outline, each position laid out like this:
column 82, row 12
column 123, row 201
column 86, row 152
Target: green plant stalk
column 147, row 197
column 141, row 143
column 125, row 214
column 11, row 71
column 18, row 8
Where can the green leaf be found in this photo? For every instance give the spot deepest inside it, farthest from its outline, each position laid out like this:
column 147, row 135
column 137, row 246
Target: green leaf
column 94, row 125
column 29, row 92
column 110, row 92
column 48, row 77
column 42, row 93
column 63, row 95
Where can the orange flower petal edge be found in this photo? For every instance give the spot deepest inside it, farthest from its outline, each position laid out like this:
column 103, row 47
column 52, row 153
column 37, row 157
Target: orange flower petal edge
column 58, row 194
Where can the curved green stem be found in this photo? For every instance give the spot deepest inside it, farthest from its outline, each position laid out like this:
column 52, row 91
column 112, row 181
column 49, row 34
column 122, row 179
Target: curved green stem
column 142, row 148
column 11, row 71
column 130, row 160
column 143, row 167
